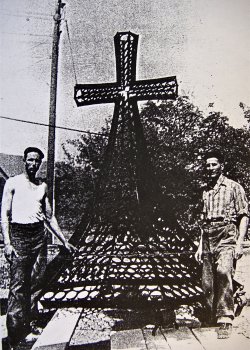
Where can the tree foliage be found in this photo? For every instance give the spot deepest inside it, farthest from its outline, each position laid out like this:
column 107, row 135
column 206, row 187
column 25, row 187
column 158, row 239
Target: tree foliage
column 177, row 136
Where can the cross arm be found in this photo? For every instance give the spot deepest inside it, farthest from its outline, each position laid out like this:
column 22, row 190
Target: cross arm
column 160, row 89
column 87, row 94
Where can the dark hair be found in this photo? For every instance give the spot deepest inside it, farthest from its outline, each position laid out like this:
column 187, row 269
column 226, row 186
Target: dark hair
column 215, row 153
column 33, row 149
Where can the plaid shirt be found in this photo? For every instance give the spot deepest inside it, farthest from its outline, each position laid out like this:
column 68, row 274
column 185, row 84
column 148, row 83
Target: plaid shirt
column 226, row 201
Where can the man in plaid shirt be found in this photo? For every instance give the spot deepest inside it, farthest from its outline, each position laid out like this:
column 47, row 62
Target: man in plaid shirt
column 225, row 221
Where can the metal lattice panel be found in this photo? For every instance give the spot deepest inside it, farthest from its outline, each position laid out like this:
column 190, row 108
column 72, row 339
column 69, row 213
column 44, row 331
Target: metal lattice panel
column 111, row 269
column 129, row 251
column 126, row 48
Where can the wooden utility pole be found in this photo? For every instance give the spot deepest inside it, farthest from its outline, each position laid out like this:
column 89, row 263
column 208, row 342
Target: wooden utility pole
column 52, row 108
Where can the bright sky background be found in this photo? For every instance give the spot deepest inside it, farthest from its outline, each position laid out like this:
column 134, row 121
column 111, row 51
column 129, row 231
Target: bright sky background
column 205, row 43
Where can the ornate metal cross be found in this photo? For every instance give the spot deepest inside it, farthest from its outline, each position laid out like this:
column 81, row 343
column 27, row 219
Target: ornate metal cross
column 127, row 88
column 120, row 259
column 125, row 93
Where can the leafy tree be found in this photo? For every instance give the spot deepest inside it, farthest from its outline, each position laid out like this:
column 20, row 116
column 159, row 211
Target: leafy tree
column 246, row 111
column 177, row 136
column 76, row 178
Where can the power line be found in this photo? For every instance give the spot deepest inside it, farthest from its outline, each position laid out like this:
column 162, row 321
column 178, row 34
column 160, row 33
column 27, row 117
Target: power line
column 40, row 43
column 55, row 126
column 27, row 14
column 71, row 51
column 27, row 17
column 28, row 34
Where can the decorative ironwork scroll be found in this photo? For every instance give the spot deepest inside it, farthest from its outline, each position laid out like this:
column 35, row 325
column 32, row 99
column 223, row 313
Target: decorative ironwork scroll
column 131, row 249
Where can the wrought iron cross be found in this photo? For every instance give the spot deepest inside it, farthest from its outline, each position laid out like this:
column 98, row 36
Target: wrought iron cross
column 125, row 93
column 110, row 256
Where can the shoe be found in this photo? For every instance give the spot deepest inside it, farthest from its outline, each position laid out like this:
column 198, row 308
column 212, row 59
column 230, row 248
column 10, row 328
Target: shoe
column 224, row 331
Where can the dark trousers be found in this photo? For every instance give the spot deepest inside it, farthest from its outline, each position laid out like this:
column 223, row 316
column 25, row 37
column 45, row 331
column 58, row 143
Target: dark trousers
column 218, row 271
column 26, row 272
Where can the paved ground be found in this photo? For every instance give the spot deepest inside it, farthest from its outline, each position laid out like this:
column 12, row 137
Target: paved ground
column 241, row 323
column 240, row 337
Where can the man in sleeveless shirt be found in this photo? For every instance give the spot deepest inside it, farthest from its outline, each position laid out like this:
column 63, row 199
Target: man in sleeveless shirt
column 225, row 221
column 25, row 210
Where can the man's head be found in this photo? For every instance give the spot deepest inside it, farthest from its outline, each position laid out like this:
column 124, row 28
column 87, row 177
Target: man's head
column 214, row 164
column 32, row 158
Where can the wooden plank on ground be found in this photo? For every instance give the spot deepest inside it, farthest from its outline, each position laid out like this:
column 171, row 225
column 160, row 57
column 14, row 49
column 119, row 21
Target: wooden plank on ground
column 208, row 338
column 130, row 339
column 92, row 331
column 57, row 334
column 182, row 338
column 3, row 328
column 90, row 339
column 155, row 342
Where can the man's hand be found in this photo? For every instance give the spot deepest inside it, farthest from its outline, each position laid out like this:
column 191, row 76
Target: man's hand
column 198, row 255
column 238, row 252
column 70, row 247
column 8, row 251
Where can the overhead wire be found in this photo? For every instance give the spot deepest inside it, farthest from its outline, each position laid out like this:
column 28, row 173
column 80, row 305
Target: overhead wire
column 55, row 126
column 39, row 44
column 27, row 34
column 71, row 50
column 27, row 15
column 73, row 65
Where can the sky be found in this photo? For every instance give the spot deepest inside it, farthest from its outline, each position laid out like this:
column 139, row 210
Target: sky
column 205, row 43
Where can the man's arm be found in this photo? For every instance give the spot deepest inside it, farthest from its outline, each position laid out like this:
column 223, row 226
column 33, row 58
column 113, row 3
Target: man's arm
column 242, row 209
column 5, row 220
column 52, row 225
column 199, row 252
column 243, row 226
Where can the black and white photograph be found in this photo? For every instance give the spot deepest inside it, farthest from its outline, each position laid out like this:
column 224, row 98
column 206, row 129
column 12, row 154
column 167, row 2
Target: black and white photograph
column 124, row 174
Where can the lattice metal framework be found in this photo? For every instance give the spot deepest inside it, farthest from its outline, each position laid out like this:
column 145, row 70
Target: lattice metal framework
column 126, row 87
column 130, row 252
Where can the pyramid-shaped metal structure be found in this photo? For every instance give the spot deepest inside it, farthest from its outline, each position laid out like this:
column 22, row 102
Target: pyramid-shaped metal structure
column 130, row 249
